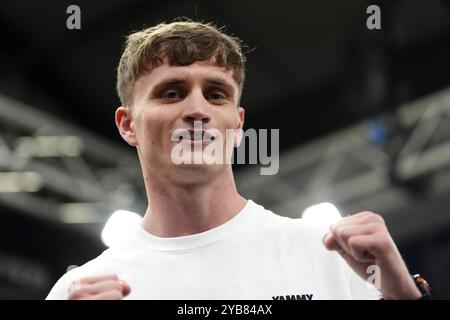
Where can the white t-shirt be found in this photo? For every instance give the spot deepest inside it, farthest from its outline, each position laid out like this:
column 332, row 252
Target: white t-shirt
column 255, row 255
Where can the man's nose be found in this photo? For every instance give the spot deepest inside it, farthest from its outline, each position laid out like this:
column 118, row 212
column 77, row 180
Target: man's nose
column 196, row 109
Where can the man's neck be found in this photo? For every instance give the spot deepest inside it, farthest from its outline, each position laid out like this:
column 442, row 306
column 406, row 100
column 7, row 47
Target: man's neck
column 179, row 210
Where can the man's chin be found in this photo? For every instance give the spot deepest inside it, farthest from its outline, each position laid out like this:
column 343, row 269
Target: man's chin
column 195, row 173
column 203, row 166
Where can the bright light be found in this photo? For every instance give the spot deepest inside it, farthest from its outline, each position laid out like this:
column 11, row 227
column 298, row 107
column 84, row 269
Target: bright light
column 323, row 214
column 81, row 212
column 49, row 146
column 20, row 181
column 120, row 227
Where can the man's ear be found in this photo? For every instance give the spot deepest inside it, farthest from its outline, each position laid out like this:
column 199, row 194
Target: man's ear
column 125, row 126
column 239, row 128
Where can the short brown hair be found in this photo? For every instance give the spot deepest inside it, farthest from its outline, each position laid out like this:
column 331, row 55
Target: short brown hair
column 182, row 43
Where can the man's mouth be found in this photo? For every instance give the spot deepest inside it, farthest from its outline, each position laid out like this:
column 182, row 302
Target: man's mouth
column 195, row 136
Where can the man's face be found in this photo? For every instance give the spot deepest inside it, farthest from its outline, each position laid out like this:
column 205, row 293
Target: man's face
column 173, row 99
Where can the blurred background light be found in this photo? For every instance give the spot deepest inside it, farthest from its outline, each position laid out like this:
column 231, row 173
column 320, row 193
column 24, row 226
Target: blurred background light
column 49, row 146
column 323, row 214
column 119, row 227
column 81, row 212
column 20, row 182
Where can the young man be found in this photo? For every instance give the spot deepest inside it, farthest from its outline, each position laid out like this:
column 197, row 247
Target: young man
column 200, row 239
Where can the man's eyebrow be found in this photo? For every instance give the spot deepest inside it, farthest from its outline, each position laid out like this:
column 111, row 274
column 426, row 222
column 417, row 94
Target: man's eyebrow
column 167, row 83
column 220, row 81
column 175, row 81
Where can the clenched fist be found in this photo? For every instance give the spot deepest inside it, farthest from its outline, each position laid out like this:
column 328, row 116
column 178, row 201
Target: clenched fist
column 363, row 240
column 105, row 287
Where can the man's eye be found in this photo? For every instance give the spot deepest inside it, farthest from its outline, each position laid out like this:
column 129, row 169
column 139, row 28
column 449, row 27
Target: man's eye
column 171, row 95
column 216, row 96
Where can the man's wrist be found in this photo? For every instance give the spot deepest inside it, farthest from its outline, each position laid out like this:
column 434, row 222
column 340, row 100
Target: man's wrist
column 423, row 287
column 417, row 288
